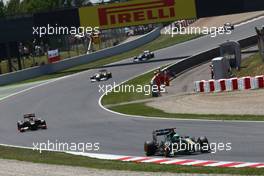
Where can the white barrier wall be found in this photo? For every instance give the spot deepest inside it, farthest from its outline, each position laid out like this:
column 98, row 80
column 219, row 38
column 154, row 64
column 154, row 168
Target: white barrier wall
column 75, row 61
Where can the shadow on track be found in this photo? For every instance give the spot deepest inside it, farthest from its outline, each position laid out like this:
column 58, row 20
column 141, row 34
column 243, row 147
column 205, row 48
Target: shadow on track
column 121, row 64
column 142, row 62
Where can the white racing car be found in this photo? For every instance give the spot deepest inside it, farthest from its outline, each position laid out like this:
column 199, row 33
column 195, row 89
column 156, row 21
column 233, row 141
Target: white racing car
column 144, row 57
column 102, row 75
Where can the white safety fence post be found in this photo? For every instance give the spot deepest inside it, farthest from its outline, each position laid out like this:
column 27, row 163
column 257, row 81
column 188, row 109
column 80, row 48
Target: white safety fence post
column 229, row 86
column 254, row 83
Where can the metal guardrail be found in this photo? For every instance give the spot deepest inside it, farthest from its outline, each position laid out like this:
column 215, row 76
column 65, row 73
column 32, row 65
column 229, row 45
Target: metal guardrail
column 14, row 77
column 178, row 68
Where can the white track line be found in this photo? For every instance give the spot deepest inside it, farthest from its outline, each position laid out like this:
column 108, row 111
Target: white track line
column 249, row 21
column 178, row 119
column 172, row 119
column 30, row 88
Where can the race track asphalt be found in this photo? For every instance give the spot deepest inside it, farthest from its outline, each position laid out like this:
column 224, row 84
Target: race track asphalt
column 70, row 107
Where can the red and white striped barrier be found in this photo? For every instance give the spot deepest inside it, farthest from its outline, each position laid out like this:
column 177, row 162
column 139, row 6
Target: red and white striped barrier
column 232, row 84
column 168, row 161
column 171, row 161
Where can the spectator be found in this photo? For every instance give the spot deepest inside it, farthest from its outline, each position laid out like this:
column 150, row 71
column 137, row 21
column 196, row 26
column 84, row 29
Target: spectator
column 42, row 50
column 166, row 78
column 26, row 52
column 212, row 71
column 46, row 48
column 21, row 49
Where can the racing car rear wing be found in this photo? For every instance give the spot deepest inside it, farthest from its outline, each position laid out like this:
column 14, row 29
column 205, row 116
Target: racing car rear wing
column 103, row 71
column 29, row 115
column 162, row 132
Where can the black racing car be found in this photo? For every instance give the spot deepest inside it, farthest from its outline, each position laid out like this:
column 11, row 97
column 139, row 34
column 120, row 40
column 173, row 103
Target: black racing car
column 31, row 123
column 144, row 57
column 102, row 75
column 172, row 144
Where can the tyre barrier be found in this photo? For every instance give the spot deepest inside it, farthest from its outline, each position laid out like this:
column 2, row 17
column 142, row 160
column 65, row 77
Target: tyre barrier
column 227, row 85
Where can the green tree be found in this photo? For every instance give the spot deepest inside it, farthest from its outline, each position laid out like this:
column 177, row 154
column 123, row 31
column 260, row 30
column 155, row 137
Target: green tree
column 2, row 8
column 67, row 3
column 41, row 5
column 13, row 7
column 44, row 5
column 79, row 3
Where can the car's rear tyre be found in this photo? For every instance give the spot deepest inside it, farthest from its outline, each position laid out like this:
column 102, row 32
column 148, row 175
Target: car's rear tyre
column 44, row 124
column 150, row 148
column 204, row 144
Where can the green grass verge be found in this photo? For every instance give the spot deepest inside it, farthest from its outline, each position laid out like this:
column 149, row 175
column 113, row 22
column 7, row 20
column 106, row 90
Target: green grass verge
column 252, row 66
column 71, row 160
column 142, row 109
column 161, row 42
column 141, row 90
